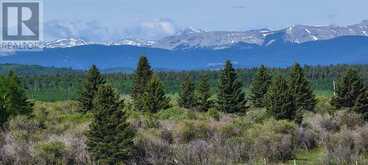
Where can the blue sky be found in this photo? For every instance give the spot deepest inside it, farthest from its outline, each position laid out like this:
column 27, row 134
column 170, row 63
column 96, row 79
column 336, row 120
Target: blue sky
column 167, row 16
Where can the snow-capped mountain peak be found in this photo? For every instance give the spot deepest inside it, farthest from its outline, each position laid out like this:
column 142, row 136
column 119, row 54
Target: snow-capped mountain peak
column 197, row 38
column 64, row 43
column 134, row 42
column 190, row 30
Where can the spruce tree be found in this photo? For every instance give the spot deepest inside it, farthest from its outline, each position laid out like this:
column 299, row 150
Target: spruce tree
column 361, row 105
column 231, row 98
column 15, row 99
column 260, row 86
column 110, row 137
column 92, row 82
column 186, row 95
column 301, row 89
column 203, row 94
column 142, row 76
column 154, row 98
column 349, row 87
column 279, row 100
column 3, row 113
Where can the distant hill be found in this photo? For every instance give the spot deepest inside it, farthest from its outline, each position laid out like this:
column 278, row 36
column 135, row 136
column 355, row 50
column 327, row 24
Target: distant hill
column 277, row 53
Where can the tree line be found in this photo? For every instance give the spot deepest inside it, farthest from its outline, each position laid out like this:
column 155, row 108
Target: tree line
column 55, row 85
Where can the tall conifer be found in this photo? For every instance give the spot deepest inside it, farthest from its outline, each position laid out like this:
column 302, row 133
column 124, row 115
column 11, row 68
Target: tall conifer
column 3, row 113
column 260, row 86
column 349, row 87
column 110, row 137
column 92, row 82
column 301, row 89
column 143, row 75
column 187, row 93
column 361, row 105
column 203, row 94
column 154, row 98
column 231, row 98
column 279, row 100
column 15, row 99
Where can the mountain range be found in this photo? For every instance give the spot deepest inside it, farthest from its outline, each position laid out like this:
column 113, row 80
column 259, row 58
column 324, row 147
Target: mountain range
column 199, row 49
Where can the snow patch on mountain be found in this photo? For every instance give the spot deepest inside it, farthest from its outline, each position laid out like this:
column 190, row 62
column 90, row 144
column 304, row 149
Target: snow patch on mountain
column 189, row 38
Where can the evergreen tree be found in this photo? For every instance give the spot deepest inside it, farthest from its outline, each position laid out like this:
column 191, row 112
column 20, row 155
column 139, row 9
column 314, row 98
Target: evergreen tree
column 301, row 89
column 260, row 86
column 3, row 113
column 348, row 88
column 142, row 76
column 92, row 82
column 110, row 137
column 361, row 105
column 186, row 95
column 279, row 100
column 231, row 98
column 154, row 98
column 203, row 94
column 15, row 99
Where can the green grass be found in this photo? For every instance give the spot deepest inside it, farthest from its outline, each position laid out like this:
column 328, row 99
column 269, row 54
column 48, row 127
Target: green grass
column 323, row 93
column 310, row 157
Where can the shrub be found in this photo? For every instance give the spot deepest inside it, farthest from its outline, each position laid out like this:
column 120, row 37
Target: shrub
column 342, row 147
column 151, row 121
column 214, row 114
column 273, row 140
column 153, row 151
column 50, row 153
column 307, row 138
column 257, row 115
column 167, row 136
column 188, row 131
column 349, row 119
column 174, row 113
column 196, row 152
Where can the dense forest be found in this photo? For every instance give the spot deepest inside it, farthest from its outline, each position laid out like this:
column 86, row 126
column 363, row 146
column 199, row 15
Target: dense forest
column 295, row 115
column 57, row 84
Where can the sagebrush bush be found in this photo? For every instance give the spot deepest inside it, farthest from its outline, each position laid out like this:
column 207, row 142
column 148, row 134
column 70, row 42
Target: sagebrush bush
column 273, row 140
column 50, row 153
column 188, row 131
column 342, row 147
column 214, row 114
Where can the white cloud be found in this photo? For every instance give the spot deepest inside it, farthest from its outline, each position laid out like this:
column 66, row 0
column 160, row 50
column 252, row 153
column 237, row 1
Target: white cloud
column 93, row 31
column 152, row 30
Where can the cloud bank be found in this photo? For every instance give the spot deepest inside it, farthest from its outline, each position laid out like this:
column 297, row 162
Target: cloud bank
column 94, row 31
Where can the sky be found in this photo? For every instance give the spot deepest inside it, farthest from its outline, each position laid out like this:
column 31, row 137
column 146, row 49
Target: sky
column 152, row 19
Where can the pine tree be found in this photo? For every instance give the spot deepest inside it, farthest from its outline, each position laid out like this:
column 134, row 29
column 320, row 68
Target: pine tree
column 92, row 82
column 3, row 113
column 154, row 98
column 301, row 89
column 231, row 98
column 348, row 88
column 15, row 99
column 260, row 86
column 186, row 95
column 279, row 100
column 361, row 105
column 110, row 137
column 203, row 94
column 143, row 75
